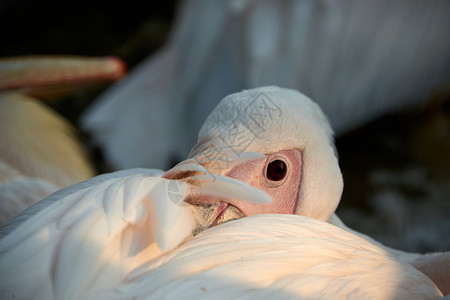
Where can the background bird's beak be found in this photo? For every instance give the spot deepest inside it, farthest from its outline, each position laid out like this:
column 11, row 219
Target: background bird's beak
column 50, row 76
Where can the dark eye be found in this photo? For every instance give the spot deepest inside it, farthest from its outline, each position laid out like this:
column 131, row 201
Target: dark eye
column 276, row 170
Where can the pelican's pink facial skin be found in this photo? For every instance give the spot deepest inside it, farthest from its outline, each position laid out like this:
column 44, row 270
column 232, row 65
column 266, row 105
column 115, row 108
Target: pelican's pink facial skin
column 284, row 192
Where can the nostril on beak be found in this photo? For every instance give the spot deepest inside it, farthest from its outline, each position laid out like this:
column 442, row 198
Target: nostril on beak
column 185, row 170
column 179, row 175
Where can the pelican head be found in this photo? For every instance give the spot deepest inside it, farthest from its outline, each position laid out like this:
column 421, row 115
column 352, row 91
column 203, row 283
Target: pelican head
column 275, row 140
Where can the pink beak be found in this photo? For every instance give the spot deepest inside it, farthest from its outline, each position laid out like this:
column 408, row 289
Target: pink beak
column 49, row 76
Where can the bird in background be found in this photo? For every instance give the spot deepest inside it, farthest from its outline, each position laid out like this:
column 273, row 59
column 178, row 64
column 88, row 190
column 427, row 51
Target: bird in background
column 40, row 151
column 357, row 59
column 139, row 233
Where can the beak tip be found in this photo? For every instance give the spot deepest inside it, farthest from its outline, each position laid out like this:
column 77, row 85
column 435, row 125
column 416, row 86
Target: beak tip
column 119, row 66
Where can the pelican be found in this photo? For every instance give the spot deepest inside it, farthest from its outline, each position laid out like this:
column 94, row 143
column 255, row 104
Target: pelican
column 357, row 59
column 40, row 151
column 299, row 170
column 262, row 151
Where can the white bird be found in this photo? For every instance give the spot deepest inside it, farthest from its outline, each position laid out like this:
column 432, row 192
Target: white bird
column 300, row 169
column 357, row 59
column 257, row 145
column 40, row 151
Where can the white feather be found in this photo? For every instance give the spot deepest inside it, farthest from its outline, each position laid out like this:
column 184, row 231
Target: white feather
column 275, row 256
column 86, row 238
column 89, row 236
column 39, row 154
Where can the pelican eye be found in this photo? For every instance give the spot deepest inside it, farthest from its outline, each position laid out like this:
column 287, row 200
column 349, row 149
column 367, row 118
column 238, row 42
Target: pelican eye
column 276, row 170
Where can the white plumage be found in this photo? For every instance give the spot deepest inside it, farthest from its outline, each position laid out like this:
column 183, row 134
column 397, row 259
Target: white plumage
column 88, row 237
column 275, row 257
column 39, row 154
column 357, row 59
column 104, row 238
column 271, row 119
column 59, row 253
column 85, row 237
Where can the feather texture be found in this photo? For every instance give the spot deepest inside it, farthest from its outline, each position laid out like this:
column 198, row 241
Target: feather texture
column 270, row 119
column 88, row 237
column 40, row 153
column 275, row 256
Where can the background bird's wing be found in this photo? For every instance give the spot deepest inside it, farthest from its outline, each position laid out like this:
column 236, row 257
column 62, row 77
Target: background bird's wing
column 39, row 154
column 18, row 192
column 90, row 235
column 150, row 88
column 39, row 143
column 221, row 47
column 112, row 120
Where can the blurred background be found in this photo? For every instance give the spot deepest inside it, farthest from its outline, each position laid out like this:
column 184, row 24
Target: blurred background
column 394, row 146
